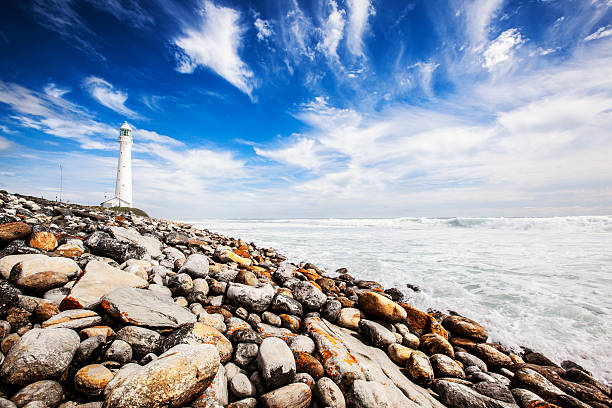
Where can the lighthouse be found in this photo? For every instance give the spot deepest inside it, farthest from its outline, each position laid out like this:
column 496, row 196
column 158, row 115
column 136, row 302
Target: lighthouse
column 123, row 187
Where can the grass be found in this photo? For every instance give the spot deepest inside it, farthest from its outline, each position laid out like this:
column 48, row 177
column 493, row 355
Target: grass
column 136, row 211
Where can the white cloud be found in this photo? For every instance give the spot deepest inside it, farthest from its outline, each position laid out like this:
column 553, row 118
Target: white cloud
column 6, row 173
column 601, row 32
column 5, row 144
column 500, row 49
column 152, row 136
column 301, row 153
column 214, row 43
column 52, row 89
column 358, row 13
column 264, row 29
column 104, row 92
column 128, row 12
column 478, row 15
column 297, row 32
column 332, row 31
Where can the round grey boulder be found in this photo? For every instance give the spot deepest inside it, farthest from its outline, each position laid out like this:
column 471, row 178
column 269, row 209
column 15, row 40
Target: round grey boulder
column 46, row 391
column 196, row 266
column 276, row 363
column 309, row 296
column 329, row 394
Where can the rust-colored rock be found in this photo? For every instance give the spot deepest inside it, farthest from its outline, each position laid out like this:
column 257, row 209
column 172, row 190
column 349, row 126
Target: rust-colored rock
column 435, row 344
column 220, row 310
column 327, row 284
column 45, row 311
column 43, row 240
column 91, row 379
column 97, row 331
column 381, row 307
column 14, row 230
column 247, row 278
column 436, row 328
column 305, row 363
column 460, row 326
column 311, row 274
column 69, row 250
column 541, row 404
column 290, row 322
column 417, row 321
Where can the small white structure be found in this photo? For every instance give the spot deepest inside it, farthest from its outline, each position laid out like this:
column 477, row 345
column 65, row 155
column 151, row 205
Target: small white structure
column 123, row 188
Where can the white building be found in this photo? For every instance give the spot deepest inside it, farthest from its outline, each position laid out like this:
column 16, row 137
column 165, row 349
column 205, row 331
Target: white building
column 123, row 188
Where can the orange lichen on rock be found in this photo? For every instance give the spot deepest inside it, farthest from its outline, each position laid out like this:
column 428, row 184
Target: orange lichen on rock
column 541, row 404
column 417, row 321
column 436, row 328
column 305, row 363
column 243, row 251
column 311, row 274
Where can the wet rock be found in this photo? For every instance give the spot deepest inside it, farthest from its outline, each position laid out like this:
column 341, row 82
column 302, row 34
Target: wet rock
column 331, row 310
column 524, row 397
column 435, row 344
column 14, row 230
column 145, row 308
column 40, row 354
column 469, row 360
column 349, row 317
column 494, row 390
column 142, row 340
column 242, row 387
column 276, row 363
column 43, row 240
column 381, row 307
column 73, row 319
column 444, row 366
column 256, row 299
column 92, row 379
column 417, row 321
column 99, row 280
column 286, row 305
column 419, row 368
column 328, row 394
column 537, row 383
column 296, row 395
column 491, row 356
column 196, row 266
column 309, row 296
column 376, row 333
column 172, row 380
column 119, row 351
column 539, row 359
column 399, row 354
column 290, row 322
column 455, row 395
column 48, row 392
column 200, row 333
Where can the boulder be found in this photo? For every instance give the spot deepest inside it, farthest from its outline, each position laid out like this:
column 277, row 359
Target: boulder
column 142, row 340
column 256, row 299
column 303, row 344
column 373, row 394
column 432, row 344
column 399, row 354
column 494, row 390
column 217, row 391
column 43, row 240
column 444, row 366
column 118, row 351
column 309, row 296
column 33, row 266
column 143, row 307
column 376, row 333
column 381, row 307
column 42, row 281
column 242, row 387
column 297, row 395
column 469, row 360
column 40, row 354
column 9, row 296
column 102, row 244
column 305, row 363
column 48, row 392
column 7, row 262
column 331, row 310
column 196, row 266
column 328, row 394
column 491, row 356
column 524, row 397
column 418, row 367
column 14, row 230
column 275, row 362
column 130, row 235
column 99, row 280
column 200, row 333
column 92, row 379
column 349, row 317
column 455, row 395
column 285, row 304
column 245, row 353
column 172, row 380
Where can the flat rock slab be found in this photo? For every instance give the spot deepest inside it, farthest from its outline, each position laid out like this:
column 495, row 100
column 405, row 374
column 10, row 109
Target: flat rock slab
column 377, row 366
column 7, row 262
column 29, row 265
column 98, row 280
column 75, row 319
column 152, row 245
column 146, row 308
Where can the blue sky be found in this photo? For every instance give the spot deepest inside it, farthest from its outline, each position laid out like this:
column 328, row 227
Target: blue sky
column 327, row 108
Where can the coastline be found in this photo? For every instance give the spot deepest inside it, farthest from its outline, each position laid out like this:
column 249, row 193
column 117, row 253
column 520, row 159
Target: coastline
column 250, row 296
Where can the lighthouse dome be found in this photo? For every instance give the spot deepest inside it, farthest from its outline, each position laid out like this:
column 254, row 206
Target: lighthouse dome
column 125, row 126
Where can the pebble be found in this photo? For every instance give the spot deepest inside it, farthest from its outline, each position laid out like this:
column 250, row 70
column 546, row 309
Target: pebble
column 297, row 395
column 92, row 379
column 328, row 394
column 242, row 387
column 48, row 392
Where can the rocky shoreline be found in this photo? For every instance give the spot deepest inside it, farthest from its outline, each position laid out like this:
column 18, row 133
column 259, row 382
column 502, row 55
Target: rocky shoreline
column 101, row 309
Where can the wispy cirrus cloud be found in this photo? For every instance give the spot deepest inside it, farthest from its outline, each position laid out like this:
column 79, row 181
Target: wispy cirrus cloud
column 358, row 13
column 332, row 31
column 264, row 29
column 104, row 92
column 500, row 49
column 601, row 32
column 214, row 42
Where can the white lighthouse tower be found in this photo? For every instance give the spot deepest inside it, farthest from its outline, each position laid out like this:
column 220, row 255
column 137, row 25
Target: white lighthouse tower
column 123, row 188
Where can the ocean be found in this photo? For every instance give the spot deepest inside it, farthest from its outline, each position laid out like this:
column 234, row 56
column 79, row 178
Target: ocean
column 544, row 283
